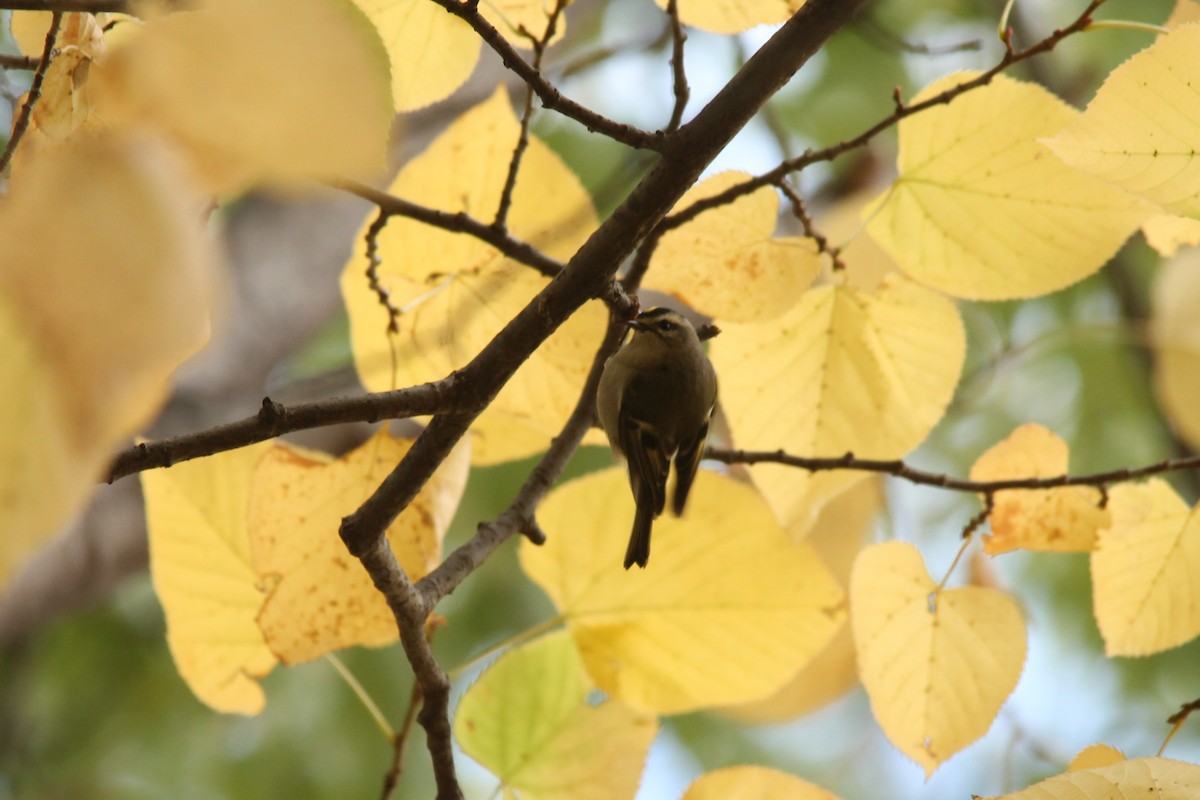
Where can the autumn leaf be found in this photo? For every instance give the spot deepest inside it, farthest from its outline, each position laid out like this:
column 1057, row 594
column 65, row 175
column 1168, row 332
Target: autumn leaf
column 528, row 720
column 1185, row 11
column 455, row 293
column 200, row 563
column 1159, row 778
column 1146, row 570
column 843, row 371
column 753, row 783
column 982, row 210
column 431, row 52
column 1175, row 336
column 937, row 664
column 1167, row 233
column 719, row 16
column 105, row 288
column 1096, row 755
column 1061, row 520
column 319, row 598
column 725, row 263
column 256, row 126
column 726, row 611
column 837, row 536
column 1143, row 141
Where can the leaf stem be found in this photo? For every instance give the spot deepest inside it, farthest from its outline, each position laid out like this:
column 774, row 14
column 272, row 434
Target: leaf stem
column 368, row 702
column 512, row 641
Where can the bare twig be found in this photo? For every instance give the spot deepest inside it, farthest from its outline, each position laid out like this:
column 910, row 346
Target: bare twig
column 679, row 82
column 800, row 210
column 899, row 469
column 18, row 62
column 900, row 112
column 551, row 98
column 517, row 250
column 514, row 165
column 371, row 239
column 35, row 91
column 275, row 419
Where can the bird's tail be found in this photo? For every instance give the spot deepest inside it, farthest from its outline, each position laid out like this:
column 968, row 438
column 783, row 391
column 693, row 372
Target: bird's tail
column 638, row 551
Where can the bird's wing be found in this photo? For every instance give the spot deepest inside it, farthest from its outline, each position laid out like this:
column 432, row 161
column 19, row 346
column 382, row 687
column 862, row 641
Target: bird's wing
column 648, row 460
column 687, row 461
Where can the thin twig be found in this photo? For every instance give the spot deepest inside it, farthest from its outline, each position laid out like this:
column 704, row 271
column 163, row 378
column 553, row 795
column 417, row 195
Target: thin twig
column 275, row 419
column 679, row 81
column 899, row 112
column 400, row 742
column 18, row 62
column 551, row 97
column 800, row 211
column 517, row 250
column 899, row 469
column 371, row 239
column 514, row 164
column 35, row 92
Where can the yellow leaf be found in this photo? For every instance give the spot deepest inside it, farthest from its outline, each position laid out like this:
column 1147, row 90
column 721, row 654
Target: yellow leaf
column 725, row 262
column 1141, row 131
column 837, row 536
column 721, row 16
column 64, row 105
column 528, row 720
column 432, row 52
column 843, row 371
column 728, row 609
column 1157, row 778
column 1185, row 11
column 937, row 664
column 1146, row 570
column 1167, row 233
column 1061, row 520
column 1175, row 334
column 200, row 563
column 105, row 285
column 455, row 292
column 319, row 597
column 983, row 211
column 299, row 90
column 77, row 29
column 753, row 783
column 511, row 17
column 1096, row 755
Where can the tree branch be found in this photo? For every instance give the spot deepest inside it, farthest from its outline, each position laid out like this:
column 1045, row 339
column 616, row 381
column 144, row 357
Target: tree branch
column 35, row 91
column 517, row 250
column 551, row 98
column 275, row 419
column 899, row 469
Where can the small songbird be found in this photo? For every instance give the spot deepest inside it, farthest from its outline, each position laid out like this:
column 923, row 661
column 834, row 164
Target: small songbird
column 656, row 396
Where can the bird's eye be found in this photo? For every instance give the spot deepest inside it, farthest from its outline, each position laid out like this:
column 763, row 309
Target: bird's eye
column 666, row 326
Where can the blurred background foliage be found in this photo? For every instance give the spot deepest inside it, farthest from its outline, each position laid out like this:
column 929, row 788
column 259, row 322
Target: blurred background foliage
column 91, row 706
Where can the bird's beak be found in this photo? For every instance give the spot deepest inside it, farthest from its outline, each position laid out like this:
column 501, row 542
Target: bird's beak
column 636, row 324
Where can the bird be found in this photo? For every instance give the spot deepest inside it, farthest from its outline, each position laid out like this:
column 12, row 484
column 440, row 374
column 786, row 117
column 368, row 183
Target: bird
column 656, row 397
